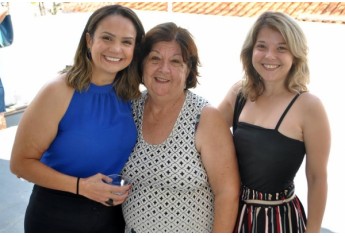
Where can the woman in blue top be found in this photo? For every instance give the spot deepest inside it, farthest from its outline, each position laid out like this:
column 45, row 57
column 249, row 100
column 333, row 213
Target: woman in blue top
column 80, row 128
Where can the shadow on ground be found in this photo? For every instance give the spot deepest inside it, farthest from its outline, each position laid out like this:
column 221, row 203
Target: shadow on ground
column 14, row 197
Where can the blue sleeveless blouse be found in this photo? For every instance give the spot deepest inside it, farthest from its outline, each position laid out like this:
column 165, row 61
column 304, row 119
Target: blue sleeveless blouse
column 96, row 134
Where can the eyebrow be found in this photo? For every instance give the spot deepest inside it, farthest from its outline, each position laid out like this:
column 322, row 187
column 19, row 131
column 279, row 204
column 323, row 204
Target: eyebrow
column 176, row 54
column 113, row 35
column 261, row 41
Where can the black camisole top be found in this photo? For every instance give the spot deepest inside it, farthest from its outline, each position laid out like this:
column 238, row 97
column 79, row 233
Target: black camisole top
column 268, row 160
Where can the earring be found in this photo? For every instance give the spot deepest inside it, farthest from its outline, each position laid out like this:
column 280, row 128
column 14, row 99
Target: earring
column 88, row 54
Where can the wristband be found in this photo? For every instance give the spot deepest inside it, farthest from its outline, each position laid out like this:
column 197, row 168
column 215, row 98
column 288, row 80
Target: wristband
column 78, row 185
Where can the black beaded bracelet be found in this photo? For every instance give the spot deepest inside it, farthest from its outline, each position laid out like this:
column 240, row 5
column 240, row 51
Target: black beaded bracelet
column 78, row 185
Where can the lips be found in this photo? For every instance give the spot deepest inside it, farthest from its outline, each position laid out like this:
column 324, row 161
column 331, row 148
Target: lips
column 112, row 59
column 270, row 66
column 160, row 79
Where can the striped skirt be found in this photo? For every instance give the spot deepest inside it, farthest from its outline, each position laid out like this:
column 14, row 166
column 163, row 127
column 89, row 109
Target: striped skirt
column 270, row 213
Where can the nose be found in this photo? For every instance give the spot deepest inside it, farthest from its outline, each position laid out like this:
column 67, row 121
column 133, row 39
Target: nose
column 270, row 53
column 164, row 66
column 115, row 46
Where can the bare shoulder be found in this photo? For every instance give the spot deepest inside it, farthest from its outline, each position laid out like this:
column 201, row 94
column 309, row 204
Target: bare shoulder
column 57, row 85
column 233, row 92
column 210, row 110
column 237, row 87
column 311, row 108
column 211, row 128
column 212, row 117
column 227, row 105
column 55, row 89
column 310, row 102
column 53, row 98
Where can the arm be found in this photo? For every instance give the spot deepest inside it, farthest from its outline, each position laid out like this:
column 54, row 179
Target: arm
column 3, row 13
column 317, row 139
column 227, row 106
column 214, row 142
column 36, row 131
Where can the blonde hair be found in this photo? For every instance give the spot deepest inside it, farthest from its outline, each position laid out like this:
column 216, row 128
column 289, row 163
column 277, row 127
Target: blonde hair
column 298, row 76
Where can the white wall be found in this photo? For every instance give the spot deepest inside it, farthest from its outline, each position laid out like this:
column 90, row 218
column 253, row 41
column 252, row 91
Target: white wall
column 44, row 45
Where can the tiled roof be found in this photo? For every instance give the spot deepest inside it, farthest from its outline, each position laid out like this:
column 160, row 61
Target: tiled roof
column 92, row 6
column 328, row 12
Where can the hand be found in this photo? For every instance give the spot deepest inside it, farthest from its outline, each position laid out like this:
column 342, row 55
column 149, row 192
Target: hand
column 97, row 189
column 3, row 13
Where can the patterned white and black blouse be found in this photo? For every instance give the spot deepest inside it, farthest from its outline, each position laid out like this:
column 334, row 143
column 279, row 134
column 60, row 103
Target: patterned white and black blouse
column 170, row 191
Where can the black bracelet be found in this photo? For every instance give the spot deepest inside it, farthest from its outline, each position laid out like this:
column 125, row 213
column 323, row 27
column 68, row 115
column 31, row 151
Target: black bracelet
column 78, row 185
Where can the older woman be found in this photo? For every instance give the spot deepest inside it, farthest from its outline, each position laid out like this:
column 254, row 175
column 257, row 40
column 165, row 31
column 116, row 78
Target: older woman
column 183, row 167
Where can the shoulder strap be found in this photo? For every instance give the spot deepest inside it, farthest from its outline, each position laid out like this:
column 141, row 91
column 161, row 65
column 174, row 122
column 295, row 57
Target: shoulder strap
column 240, row 101
column 286, row 111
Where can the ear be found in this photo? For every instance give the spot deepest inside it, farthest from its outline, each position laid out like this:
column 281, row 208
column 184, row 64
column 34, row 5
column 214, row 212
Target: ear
column 187, row 73
column 88, row 40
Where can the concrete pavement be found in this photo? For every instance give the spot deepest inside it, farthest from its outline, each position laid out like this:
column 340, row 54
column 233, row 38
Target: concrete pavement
column 14, row 192
column 14, row 199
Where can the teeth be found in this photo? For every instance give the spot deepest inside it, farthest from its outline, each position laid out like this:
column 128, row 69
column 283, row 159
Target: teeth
column 112, row 59
column 161, row 79
column 271, row 66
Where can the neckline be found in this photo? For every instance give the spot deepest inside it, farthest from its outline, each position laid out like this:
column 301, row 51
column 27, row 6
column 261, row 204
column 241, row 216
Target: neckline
column 267, row 129
column 101, row 88
column 280, row 119
column 155, row 146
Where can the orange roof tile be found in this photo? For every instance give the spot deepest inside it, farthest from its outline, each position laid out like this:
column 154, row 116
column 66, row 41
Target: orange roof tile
column 329, row 12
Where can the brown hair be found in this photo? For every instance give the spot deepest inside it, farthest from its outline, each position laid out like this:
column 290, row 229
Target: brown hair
column 126, row 83
column 168, row 32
